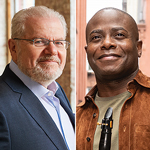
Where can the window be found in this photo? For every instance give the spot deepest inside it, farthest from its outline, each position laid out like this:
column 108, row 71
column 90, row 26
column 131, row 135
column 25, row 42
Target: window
column 141, row 11
column 17, row 5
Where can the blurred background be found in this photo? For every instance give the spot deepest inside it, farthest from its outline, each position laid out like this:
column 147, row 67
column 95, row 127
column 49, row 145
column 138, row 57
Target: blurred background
column 85, row 9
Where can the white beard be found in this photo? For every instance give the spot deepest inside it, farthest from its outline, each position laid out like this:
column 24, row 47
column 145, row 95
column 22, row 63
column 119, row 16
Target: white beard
column 42, row 72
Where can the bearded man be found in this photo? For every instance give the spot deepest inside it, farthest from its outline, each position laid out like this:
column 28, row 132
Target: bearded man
column 34, row 110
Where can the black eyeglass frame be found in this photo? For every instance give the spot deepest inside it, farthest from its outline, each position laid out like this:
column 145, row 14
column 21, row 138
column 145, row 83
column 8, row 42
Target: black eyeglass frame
column 66, row 44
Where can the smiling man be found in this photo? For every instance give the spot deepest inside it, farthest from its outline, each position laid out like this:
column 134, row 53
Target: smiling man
column 113, row 48
column 35, row 113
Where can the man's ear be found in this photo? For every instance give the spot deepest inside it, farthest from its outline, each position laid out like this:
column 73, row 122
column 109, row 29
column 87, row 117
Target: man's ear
column 85, row 48
column 12, row 47
column 139, row 48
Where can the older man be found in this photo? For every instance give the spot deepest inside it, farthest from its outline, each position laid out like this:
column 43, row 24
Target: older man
column 35, row 113
column 113, row 48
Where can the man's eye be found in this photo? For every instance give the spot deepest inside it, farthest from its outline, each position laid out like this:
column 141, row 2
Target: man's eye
column 96, row 38
column 59, row 42
column 120, row 34
column 38, row 42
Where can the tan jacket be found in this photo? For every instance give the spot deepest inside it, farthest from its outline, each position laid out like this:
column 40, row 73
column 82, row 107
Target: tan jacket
column 134, row 124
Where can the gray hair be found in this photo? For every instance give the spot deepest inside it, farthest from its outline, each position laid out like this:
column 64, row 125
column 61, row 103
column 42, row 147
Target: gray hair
column 19, row 19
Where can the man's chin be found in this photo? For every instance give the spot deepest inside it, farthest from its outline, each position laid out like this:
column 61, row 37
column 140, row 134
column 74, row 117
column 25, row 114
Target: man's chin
column 45, row 74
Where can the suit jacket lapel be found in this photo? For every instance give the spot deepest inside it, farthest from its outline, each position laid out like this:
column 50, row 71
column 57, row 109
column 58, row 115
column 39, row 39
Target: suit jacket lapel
column 65, row 104
column 43, row 119
column 35, row 109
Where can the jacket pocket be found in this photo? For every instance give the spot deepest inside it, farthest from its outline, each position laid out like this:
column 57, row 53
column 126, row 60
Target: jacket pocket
column 142, row 137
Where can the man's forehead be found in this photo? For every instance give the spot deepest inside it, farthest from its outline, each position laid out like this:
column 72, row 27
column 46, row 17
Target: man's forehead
column 111, row 17
column 43, row 22
column 43, row 26
column 107, row 16
column 110, row 12
column 106, row 19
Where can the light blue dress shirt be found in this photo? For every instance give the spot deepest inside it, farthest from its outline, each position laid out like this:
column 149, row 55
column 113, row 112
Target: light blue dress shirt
column 40, row 91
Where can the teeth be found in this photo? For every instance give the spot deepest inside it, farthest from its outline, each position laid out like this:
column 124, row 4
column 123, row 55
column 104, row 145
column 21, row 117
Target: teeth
column 109, row 55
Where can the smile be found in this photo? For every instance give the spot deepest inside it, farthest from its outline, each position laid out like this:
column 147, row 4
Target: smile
column 109, row 56
column 49, row 61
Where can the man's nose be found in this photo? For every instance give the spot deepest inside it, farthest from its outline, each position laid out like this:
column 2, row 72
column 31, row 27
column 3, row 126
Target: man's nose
column 51, row 49
column 108, row 43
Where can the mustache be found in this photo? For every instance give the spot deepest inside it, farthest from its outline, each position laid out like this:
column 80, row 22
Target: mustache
column 49, row 58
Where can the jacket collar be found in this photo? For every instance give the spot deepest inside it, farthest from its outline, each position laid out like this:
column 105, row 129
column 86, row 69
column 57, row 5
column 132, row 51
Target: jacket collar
column 140, row 79
column 65, row 104
column 39, row 114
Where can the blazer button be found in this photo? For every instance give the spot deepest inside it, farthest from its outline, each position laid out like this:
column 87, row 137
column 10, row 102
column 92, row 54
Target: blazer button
column 94, row 115
column 88, row 139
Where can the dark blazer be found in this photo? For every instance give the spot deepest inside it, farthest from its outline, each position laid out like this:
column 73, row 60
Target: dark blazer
column 24, row 122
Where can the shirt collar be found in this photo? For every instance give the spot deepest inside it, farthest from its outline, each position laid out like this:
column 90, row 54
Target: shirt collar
column 35, row 87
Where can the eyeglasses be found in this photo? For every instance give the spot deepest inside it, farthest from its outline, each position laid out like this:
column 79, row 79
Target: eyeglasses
column 39, row 42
